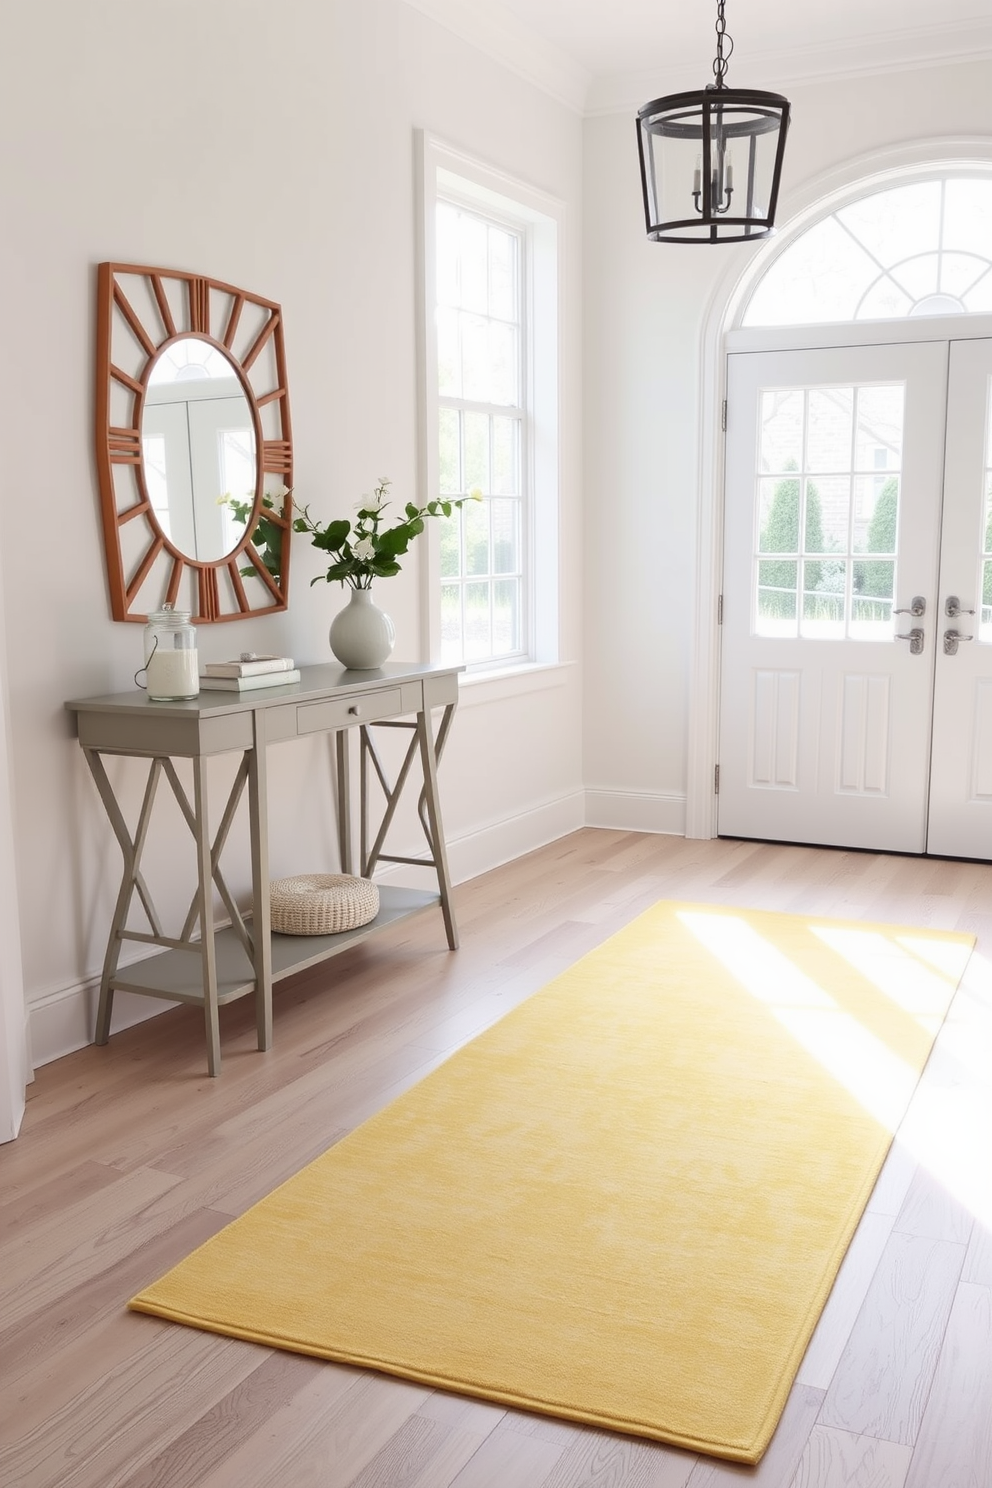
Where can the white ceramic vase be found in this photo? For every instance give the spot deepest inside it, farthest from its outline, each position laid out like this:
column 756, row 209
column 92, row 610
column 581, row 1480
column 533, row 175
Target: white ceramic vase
column 361, row 635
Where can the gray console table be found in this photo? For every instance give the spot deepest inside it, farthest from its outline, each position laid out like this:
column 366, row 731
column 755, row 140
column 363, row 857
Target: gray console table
column 210, row 966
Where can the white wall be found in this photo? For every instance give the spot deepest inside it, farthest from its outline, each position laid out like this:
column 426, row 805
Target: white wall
column 270, row 145
column 649, row 434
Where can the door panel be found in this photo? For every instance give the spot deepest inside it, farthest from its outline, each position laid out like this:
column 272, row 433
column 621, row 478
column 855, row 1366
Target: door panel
column 960, row 822
column 832, row 525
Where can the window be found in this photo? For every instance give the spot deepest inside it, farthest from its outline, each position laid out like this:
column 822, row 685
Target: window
column 482, row 434
column 918, row 249
column 491, row 415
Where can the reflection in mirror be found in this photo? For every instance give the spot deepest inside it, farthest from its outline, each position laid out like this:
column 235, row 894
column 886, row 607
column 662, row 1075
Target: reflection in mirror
column 197, row 447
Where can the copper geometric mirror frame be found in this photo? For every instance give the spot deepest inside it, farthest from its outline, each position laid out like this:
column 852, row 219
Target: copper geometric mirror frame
column 159, row 326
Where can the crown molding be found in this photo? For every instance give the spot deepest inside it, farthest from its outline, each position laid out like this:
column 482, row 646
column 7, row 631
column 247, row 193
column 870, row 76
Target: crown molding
column 495, row 30
column 893, row 51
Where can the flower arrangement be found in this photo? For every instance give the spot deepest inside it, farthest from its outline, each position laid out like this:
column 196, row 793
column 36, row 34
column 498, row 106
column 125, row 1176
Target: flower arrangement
column 368, row 550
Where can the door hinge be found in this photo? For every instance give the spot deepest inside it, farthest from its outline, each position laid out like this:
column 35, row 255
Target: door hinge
column 716, row 780
column 723, row 416
column 719, row 610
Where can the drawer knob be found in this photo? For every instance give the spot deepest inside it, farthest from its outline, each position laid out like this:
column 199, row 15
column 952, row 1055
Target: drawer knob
column 354, row 710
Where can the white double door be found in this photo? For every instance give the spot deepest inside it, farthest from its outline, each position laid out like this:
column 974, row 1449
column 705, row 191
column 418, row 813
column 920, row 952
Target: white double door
column 856, row 653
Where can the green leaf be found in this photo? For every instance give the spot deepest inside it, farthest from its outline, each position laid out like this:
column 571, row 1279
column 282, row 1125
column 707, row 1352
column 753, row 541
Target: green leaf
column 411, row 510
column 397, row 540
column 446, row 507
column 334, row 536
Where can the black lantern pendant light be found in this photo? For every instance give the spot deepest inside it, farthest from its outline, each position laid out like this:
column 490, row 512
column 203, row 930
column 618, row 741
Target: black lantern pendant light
column 711, row 161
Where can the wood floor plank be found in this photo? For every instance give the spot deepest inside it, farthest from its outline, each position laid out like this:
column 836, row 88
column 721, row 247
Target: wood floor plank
column 507, row 1459
column 836, row 1459
column 125, row 1417
column 284, row 1448
column 978, row 1261
column 845, row 1301
column 33, row 1205
column 602, row 1459
column 68, row 1320
column 778, row 1466
column 885, row 1373
column 932, row 1212
column 94, row 1233
column 92, row 1396
column 954, row 1448
column 193, row 1453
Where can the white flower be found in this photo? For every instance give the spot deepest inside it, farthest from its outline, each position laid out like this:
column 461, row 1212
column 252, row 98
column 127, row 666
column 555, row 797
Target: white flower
column 364, row 549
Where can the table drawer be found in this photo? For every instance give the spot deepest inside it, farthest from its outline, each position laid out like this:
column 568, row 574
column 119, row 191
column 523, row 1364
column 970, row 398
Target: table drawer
column 336, row 713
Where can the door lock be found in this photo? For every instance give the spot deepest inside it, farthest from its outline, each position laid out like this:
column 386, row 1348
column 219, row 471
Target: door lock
column 917, row 607
column 953, row 638
column 915, row 639
column 952, row 609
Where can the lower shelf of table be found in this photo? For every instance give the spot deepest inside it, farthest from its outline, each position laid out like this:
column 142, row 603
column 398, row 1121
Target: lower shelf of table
column 177, row 974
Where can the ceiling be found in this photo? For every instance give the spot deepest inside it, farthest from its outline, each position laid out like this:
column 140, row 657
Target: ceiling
column 600, row 55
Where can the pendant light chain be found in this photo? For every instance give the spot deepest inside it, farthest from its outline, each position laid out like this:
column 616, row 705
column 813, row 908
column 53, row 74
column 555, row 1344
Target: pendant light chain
column 721, row 63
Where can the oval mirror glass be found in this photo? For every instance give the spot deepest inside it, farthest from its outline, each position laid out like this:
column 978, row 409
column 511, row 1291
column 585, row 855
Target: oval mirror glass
column 197, row 447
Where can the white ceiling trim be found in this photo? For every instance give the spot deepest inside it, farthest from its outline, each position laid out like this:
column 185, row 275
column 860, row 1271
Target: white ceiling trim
column 498, row 32
column 503, row 36
column 925, row 46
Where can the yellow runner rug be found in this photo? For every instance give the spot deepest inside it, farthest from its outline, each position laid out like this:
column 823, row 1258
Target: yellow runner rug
column 626, row 1202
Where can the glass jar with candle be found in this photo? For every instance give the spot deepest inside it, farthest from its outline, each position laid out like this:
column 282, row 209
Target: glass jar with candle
column 172, row 671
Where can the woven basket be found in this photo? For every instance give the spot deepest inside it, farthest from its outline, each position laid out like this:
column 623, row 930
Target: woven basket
column 322, row 903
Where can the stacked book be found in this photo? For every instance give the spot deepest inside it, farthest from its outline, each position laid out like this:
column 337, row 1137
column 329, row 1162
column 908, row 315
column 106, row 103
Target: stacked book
column 249, row 672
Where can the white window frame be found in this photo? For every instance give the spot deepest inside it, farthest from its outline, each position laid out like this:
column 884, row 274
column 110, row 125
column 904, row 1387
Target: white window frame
column 448, row 174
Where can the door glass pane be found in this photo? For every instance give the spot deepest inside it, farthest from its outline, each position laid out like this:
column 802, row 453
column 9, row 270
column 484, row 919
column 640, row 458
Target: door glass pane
column 840, row 501
column 823, row 612
column 776, row 610
column 828, row 431
column 779, row 515
column 781, row 444
column 879, row 429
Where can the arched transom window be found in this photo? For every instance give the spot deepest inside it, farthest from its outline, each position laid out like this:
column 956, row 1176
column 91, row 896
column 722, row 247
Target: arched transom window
column 918, row 249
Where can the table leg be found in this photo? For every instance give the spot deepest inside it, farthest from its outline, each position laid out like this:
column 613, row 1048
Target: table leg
column 342, row 794
column 131, row 878
column 208, row 950
column 428, row 758
column 258, row 818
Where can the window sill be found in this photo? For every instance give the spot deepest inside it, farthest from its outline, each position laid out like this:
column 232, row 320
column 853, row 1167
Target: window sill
column 512, row 681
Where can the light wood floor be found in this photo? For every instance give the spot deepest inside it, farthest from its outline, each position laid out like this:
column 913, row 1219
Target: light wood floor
column 130, row 1156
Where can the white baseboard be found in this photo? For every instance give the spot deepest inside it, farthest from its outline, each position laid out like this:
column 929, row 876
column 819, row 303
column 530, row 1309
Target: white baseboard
column 500, row 842
column 65, row 1020
column 636, row 811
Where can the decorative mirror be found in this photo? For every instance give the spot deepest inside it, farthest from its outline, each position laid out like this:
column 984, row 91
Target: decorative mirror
column 194, row 445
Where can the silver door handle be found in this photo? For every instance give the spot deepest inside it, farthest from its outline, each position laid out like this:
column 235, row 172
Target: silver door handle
column 915, row 639
column 952, row 638
column 917, row 607
column 952, row 609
